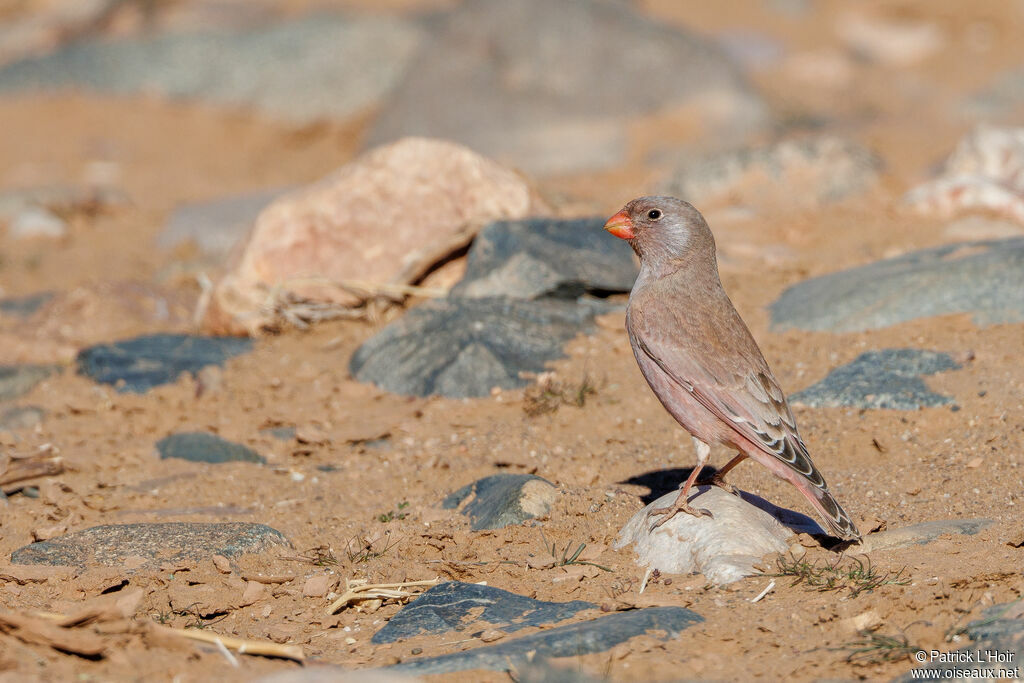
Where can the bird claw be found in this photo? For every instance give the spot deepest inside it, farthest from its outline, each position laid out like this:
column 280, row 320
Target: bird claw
column 672, row 510
column 721, row 483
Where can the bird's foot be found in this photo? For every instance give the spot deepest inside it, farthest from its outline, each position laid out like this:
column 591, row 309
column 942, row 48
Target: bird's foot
column 720, row 482
column 672, row 510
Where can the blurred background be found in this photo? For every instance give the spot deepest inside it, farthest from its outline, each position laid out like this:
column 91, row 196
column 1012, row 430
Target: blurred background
column 403, row 199
column 118, row 116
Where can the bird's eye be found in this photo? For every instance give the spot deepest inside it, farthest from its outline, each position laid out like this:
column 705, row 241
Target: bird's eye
column 654, row 214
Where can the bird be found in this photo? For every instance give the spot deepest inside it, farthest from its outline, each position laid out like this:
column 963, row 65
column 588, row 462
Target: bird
column 702, row 362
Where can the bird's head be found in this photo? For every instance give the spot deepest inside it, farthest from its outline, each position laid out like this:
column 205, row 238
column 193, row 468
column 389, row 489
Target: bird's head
column 662, row 229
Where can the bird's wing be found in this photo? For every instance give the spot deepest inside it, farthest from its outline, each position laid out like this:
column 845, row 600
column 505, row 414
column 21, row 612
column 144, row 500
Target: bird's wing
column 732, row 380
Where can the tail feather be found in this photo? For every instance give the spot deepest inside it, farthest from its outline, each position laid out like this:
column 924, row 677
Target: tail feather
column 834, row 515
column 828, row 508
column 817, row 494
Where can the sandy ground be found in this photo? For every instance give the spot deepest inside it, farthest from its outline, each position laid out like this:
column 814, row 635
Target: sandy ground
column 888, row 467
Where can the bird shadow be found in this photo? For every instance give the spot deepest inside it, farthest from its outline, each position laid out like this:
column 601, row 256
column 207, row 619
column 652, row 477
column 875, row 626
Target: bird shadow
column 661, row 482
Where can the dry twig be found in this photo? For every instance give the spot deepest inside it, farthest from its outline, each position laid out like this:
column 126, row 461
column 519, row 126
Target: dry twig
column 242, row 647
column 357, row 590
column 65, row 633
column 38, row 465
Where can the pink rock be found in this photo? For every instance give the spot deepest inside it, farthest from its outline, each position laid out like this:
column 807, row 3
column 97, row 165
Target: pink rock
column 318, row 585
column 382, row 219
column 254, row 591
column 984, row 173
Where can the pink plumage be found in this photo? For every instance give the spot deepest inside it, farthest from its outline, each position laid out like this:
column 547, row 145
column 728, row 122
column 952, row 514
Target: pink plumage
column 701, row 360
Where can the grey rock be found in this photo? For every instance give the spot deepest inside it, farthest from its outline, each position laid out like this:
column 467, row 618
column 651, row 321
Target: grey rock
column 812, row 171
column 333, row 674
column 998, row 621
column 203, row 447
column 725, row 547
column 791, row 9
column 502, row 500
column 461, row 348
column 109, row 545
column 455, row 606
column 20, row 417
column 1001, row 99
column 142, row 363
column 920, row 534
column 548, row 86
column 316, row 67
column 17, row 380
column 546, row 257
column 752, row 49
column 573, row 640
column 283, row 433
column 889, row 379
column 24, row 306
column 215, row 226
column 985, row 278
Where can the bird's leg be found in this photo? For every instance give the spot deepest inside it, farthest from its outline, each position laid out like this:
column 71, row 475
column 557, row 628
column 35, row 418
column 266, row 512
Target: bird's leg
column 718, row 478
column 682, row 504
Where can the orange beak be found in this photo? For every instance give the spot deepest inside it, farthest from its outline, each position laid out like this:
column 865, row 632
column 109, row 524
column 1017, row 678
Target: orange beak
column 621, row 226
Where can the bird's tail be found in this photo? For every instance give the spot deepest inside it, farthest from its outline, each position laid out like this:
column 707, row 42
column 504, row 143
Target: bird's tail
column 815, row 490
column 828, row 508
column 835, row 516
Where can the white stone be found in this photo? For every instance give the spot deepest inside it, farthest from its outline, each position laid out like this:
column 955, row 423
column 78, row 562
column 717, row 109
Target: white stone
column 723, row 548
column 896, row 43
column 984, row 172
column 36, row 221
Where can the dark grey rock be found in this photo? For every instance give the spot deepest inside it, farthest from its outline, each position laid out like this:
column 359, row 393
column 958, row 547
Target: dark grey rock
column 215, row 226
column 752, row 49
column 921, row 534
column 998, row 621
column 814, row 170
column 502, row 500
column 203, row 447
column 316, row 67
column 573, row 640
column 283, row 433
column 985, row 278
column 791, row 9
column 145, row 362
column 546, row 257
column 548, row 86
column 17, row 380
column 111, row 544
column 24, row 306
column 889, row 379
column 462, row 347
column 1003, row 98
column 20, row 417
column 455, row 606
